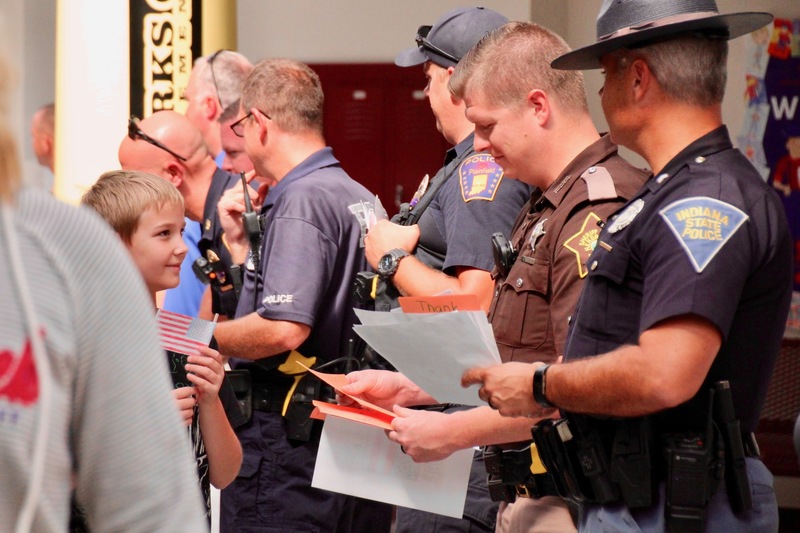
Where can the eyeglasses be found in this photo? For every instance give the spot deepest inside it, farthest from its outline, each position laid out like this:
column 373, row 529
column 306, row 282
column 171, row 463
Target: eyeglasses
column 423, row 42
column 238, row 127
column 213, row 77
column 135, row 132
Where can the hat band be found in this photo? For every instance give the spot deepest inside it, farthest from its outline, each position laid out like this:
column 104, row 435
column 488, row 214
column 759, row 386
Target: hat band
column 676, row 19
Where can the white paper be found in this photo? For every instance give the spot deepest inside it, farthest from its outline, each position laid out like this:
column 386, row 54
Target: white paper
column 433, row 350
column 359, row 460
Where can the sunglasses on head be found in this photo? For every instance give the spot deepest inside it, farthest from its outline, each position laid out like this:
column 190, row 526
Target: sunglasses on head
column 213, row 77
column 423, row 42
column 135, row 132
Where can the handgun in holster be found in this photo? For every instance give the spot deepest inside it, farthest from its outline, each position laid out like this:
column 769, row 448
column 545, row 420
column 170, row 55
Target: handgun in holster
column 573, row 453
column 592, row 460
column 550, row 436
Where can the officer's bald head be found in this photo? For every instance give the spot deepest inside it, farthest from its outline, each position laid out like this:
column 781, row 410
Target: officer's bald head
column 171, row 129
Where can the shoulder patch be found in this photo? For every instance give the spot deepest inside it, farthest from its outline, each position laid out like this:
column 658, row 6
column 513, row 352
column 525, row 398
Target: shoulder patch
column 599, row 183
column 583, row 243
column 702, row 226
column 479, row 177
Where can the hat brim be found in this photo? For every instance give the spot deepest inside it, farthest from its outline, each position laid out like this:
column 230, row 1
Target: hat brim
column 588, row 57
column 410, row 57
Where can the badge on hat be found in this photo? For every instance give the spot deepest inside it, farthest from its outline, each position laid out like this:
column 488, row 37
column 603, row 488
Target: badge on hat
column 702, row 226
column 583, row 243
column 479, row 177
column 626, row 216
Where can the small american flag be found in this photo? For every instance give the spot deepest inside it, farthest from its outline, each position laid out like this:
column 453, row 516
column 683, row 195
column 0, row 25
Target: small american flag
column 181, row 333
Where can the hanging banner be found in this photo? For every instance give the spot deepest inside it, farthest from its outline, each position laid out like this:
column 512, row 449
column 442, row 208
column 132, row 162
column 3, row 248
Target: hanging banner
column 165, row 40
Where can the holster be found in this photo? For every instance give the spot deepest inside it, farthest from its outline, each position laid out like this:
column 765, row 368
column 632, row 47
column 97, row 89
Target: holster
column 242, row 385
column 510, row 475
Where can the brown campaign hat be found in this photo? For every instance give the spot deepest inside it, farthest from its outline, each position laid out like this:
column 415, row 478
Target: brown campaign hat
column 627, row 23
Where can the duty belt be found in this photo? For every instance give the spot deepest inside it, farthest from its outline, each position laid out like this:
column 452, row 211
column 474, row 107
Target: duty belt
column 517, row 473
column 270, row 396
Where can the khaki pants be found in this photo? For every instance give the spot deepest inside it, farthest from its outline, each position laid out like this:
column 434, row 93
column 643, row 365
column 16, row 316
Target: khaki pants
column 528, row 515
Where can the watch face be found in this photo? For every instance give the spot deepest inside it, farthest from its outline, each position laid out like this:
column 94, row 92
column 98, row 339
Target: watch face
column 386, row 264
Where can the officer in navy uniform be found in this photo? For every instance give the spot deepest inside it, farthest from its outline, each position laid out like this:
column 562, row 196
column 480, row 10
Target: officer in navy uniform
column 680, row 321
column 446, row 229
column 298, row 307
column 224, row 297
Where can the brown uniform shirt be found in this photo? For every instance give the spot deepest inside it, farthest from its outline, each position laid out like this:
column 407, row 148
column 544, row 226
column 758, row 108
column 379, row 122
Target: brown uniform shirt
column 554, row 236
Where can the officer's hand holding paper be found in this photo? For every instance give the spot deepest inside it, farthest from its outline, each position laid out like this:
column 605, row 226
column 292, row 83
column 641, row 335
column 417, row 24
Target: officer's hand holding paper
column 431, row 345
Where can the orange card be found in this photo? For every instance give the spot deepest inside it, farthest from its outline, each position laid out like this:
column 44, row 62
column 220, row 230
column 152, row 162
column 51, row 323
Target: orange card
column 443, row 303
column 367, row 413
column 356, row 414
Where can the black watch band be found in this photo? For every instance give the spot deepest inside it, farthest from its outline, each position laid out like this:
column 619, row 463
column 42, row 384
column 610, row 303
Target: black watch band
column 540, row 386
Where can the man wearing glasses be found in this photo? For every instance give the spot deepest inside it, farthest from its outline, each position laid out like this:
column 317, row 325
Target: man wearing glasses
column 299, row 300
column 168, row 145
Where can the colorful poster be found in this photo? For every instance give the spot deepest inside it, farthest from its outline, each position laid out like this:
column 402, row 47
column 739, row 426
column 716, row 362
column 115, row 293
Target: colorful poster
column 770, row 135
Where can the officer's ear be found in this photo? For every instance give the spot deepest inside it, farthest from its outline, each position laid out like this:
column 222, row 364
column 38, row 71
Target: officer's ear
column 641, row 79
column 538, row 102
column 173, row 173
column 263, row 123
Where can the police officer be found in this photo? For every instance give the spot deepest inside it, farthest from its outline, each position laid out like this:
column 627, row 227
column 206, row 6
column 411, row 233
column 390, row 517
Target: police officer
column 215, row 83
column 579, row 180
column 166, row 144
column 441, row 240
column 300, row 300
column 686, row 298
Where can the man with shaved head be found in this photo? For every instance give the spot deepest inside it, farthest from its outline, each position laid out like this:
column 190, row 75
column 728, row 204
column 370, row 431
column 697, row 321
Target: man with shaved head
column 168, row 145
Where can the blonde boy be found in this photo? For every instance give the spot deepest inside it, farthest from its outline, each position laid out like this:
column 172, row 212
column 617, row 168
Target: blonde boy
column 147, row 211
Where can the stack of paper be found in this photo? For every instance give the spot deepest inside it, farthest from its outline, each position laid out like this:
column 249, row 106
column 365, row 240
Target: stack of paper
column 432, row 347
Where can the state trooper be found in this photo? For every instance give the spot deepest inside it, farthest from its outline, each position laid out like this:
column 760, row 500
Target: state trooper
column 536, row 121
column 681, row 317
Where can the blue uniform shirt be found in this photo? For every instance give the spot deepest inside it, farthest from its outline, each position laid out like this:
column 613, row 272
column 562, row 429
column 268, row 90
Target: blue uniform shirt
column 707, row 237
column 315, row 222
column 475, row 202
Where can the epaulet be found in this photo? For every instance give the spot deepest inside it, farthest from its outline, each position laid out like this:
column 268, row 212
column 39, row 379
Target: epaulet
column 599, row 184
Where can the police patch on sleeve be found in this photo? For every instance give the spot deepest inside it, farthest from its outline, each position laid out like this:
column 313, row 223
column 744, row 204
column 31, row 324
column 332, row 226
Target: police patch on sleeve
column 583, row 243
column 702, row 225
column 479, row 177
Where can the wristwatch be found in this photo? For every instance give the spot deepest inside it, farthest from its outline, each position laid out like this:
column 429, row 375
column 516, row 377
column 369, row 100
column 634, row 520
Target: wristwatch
column 387, row 265
column 540, row 386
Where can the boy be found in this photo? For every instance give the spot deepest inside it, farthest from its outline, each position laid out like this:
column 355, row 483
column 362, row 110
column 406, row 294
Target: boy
column 146, row 211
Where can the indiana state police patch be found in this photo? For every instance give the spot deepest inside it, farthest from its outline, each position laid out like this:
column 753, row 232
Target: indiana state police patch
column 702, row 225
column 479, row 177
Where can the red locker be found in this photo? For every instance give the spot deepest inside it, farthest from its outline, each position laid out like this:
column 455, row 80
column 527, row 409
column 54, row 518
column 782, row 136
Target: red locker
column 381, row 128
